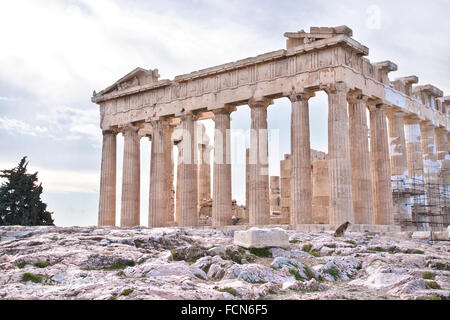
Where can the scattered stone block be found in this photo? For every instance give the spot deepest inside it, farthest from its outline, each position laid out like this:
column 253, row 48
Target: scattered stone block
column 421, row 235
column 262, row 238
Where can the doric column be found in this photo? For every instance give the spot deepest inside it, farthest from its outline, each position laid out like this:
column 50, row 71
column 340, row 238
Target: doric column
column 130, row 214
column 107, row 203
column 430, row 170
column 259, row 208
column 204, row 173
column 159, row 173
column 177, row 194
column 285, row 177
column 301, row 184
column 341, row 200
column 381, row 167
column 413, row 148
column 247, row 181
column 170, row 175
column 360, row 160
column 430, row 164
column 321, row 192
column 444, row 166
column 443, row 156
column 221, row 211
column 399, row 167
column 188, row 167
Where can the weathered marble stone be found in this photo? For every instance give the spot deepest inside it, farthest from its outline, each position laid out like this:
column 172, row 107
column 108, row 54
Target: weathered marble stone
column 262, row 238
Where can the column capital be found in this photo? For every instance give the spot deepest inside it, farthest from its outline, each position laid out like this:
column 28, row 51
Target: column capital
column 355, row 96
column 441, row 130
column 296, row 96
column 375, row 105
column 261, row 102
column 128, row 128
column 227, row 110
column 412, row 119
column 109, row 131
column 337, row 87
column 395, row 113
column 427, row 124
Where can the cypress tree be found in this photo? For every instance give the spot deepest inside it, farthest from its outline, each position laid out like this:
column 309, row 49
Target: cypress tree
column 20, row 198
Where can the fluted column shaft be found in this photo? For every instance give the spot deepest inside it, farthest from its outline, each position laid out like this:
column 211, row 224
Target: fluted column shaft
column 430, row 172
column 430, row 164
column 204, row 173
column 159, row 171
column 188, row 167
column 381, row 167
column 341, row 199
column 413, row 148
column 301, row 183
column 397, row 145
column 107, row 203
column 399, row 167
column 443, row 156
column 221, row 211
column 259, row 206
column 247, row 181
column 130, row 214
column 360, row 160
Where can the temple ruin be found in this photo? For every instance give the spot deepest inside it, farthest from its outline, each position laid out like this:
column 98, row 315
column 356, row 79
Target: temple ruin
column 391, row 177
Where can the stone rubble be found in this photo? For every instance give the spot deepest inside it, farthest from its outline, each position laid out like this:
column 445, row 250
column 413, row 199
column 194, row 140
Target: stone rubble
column 171, row 263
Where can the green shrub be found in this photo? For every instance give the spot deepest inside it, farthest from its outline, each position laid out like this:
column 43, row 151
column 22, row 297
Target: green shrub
column 261, row 252
column 22, row 265
column 36, row 278
column 432, row 285
column 40, row 264
column 127, row 292
column 429, row 276
column 307, row 247
column 230, row 291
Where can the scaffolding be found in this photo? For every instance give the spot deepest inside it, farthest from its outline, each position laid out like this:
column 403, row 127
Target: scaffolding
column 426, row 204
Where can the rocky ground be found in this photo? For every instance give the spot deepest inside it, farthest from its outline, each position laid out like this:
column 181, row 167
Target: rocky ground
column 172, row 263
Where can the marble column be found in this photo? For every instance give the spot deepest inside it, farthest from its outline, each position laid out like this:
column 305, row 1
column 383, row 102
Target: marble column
column 381, row 167
column 222, row 206
column 341, row 199
column 430, row 170
column 413, row 148
column 399, row 167
column 360, row 160
column 443, row 156
column 259, row 207
column 247, row 181
column 107, row 203
column 301, row 183
column 130, row 210
column 188, row 167
column 159, row 171
column 430, row 164
column 204, row 173
column 177, row 194
column 170, row 175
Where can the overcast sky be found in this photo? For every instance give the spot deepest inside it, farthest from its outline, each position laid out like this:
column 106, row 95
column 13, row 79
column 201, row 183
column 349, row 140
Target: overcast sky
column 53, row 54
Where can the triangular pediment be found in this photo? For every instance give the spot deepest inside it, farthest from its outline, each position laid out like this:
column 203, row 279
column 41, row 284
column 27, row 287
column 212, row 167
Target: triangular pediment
column 137, row 77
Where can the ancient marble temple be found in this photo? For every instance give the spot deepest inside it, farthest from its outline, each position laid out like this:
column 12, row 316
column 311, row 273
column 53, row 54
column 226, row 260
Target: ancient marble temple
column 353, row 182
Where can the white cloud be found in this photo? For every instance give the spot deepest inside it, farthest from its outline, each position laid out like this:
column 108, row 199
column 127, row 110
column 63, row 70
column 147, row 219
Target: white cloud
column 62, row 181
column 14, row 126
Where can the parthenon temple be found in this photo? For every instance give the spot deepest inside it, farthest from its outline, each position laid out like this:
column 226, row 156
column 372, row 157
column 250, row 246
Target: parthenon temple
column 388, row 173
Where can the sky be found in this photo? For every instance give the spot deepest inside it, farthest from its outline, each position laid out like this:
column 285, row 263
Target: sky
column 54, row 54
